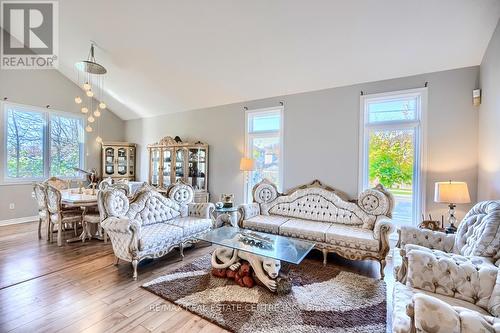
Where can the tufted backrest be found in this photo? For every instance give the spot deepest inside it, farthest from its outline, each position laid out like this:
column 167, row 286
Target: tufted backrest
column 471, row 279
column 40, row 196
column 321, row 203
column 147, row 207
column 181, row 192
column 479, row 232
column 53, row 199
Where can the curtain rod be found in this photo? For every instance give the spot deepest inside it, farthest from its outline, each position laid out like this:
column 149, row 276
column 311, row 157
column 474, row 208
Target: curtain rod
column 281, row 103
column 426, row 84
column 6, row 99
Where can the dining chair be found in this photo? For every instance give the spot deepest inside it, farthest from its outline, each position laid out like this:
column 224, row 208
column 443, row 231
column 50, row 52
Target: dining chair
column 58, row 183
column 58, row 216
column 100, row 215
column 41, row 200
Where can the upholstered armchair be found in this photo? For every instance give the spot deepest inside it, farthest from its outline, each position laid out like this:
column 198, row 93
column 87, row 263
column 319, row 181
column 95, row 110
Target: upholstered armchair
column 447, row 293
column 58, row 216
column 477, row 238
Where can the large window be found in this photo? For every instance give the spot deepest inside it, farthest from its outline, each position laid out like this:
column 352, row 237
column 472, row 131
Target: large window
column 392, row 143
column 264, row 144
column 41, row 143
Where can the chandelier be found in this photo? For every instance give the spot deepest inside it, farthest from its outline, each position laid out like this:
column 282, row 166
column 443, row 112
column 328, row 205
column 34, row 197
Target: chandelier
column 90, row 76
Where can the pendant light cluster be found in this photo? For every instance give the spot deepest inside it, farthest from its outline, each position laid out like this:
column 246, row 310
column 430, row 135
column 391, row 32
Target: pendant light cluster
column 91, row 80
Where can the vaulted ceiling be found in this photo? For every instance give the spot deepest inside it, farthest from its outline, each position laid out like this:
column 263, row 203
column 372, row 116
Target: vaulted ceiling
column 168, row 56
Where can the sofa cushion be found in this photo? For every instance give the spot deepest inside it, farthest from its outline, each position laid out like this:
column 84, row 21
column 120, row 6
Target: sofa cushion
column 159, row 236
column 353, row 237
column 402, row 296
column 191, row 225
column 265, row 223
column 305, row 229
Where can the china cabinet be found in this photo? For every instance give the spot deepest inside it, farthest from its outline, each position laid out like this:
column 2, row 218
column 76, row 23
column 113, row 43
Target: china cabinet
column 118, row 160
column 170, row 161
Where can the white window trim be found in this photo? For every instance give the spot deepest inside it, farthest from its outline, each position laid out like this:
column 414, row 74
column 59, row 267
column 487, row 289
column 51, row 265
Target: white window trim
column 4, row 180
column 249, row 136
column 420, row 125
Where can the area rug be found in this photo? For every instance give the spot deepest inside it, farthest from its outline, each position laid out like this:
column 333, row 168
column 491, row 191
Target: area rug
column 323, row 299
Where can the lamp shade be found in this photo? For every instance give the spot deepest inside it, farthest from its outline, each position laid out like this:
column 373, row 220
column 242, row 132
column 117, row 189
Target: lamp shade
column 246, row 164
column 451, row 192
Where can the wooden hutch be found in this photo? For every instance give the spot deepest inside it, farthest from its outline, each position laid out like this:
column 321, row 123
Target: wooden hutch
column 118, row 160
column 170, row 161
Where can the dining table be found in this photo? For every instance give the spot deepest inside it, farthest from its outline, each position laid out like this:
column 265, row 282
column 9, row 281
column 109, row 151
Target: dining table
column 85, row 199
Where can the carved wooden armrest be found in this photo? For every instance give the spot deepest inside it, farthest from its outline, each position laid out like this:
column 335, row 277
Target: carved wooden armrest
column 202, row 210
column 248, row 211
column 427, row 238
column 125, row 229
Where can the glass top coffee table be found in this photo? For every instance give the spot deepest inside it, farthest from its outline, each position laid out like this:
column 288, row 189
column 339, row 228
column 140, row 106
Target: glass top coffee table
column 263, row 251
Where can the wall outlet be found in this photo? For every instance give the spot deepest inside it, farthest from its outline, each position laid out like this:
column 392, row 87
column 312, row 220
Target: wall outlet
column 12, row 206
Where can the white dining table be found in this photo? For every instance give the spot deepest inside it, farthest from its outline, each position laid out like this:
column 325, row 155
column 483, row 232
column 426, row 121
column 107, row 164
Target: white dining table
column 72, row 198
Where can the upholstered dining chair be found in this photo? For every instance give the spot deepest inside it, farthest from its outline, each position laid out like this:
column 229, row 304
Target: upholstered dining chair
column 58, row 183
column 99, row 216
column 41, row 200
column 58, row 216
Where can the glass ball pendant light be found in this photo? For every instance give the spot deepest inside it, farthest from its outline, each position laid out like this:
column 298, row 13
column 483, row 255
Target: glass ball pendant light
column 88, row 128
column 91, row 119
column 85, row 110
column 97, row 113
column 102, row 105
column 78, row 100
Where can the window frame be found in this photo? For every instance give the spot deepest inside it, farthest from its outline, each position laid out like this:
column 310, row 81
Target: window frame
column 419, row 125
column 250, row 135
column 5, row 180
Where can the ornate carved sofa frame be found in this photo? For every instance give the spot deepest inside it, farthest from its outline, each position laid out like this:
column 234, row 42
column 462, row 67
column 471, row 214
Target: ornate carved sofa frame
column 150, row 225
column 354, row 230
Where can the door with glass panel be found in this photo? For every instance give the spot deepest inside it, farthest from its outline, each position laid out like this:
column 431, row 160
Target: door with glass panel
column 109, row 161
column 154, row 176
column 122, row 161
column 392, row 149
column 166, row 167
column 180, row 159
column 197, row 168
column 131, row 161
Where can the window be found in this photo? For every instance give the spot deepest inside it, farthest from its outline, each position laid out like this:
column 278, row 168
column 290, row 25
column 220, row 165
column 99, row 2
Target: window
column 264, row 144
column 41, row 143
column 392, row 143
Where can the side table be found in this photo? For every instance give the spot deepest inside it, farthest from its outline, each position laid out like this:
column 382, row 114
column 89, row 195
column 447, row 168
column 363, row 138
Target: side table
column 225, row 216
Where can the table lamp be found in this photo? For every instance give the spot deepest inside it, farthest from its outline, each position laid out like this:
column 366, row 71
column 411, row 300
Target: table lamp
column 451, row 193
column 246, row 165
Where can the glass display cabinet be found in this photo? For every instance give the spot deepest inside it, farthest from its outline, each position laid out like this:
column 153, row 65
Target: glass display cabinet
column 170, row 161
column 118, row 160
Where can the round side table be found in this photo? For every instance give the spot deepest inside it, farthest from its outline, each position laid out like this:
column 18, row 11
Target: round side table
column 225, row 216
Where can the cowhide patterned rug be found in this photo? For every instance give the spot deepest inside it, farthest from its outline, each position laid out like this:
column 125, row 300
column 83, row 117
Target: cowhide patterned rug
column 323, row 299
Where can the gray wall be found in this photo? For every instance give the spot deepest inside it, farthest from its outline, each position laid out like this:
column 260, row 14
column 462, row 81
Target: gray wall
column 489, row 122
column 39, row 88
column 321, row 134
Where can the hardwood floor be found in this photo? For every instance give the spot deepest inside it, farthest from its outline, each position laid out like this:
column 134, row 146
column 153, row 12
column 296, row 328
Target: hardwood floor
column 78, row 288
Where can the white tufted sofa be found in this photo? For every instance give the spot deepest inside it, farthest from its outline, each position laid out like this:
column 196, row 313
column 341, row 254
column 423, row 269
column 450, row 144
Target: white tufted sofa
column 450, row 283
column 355, row 230
column 151, row 225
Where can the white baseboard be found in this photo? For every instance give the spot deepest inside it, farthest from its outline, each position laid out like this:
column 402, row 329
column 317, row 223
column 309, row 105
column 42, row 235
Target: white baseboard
column 19, row 220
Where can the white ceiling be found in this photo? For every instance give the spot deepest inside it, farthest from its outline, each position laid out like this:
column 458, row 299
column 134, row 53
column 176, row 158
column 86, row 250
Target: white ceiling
column 170, row 56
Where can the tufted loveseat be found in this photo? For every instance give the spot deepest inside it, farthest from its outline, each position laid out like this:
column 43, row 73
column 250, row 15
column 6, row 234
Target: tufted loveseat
column 354, row 230
column 450, row 282
column 150, row 225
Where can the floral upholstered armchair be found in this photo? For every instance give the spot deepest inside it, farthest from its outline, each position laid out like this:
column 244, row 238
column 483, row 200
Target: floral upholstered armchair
column 450, row 283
